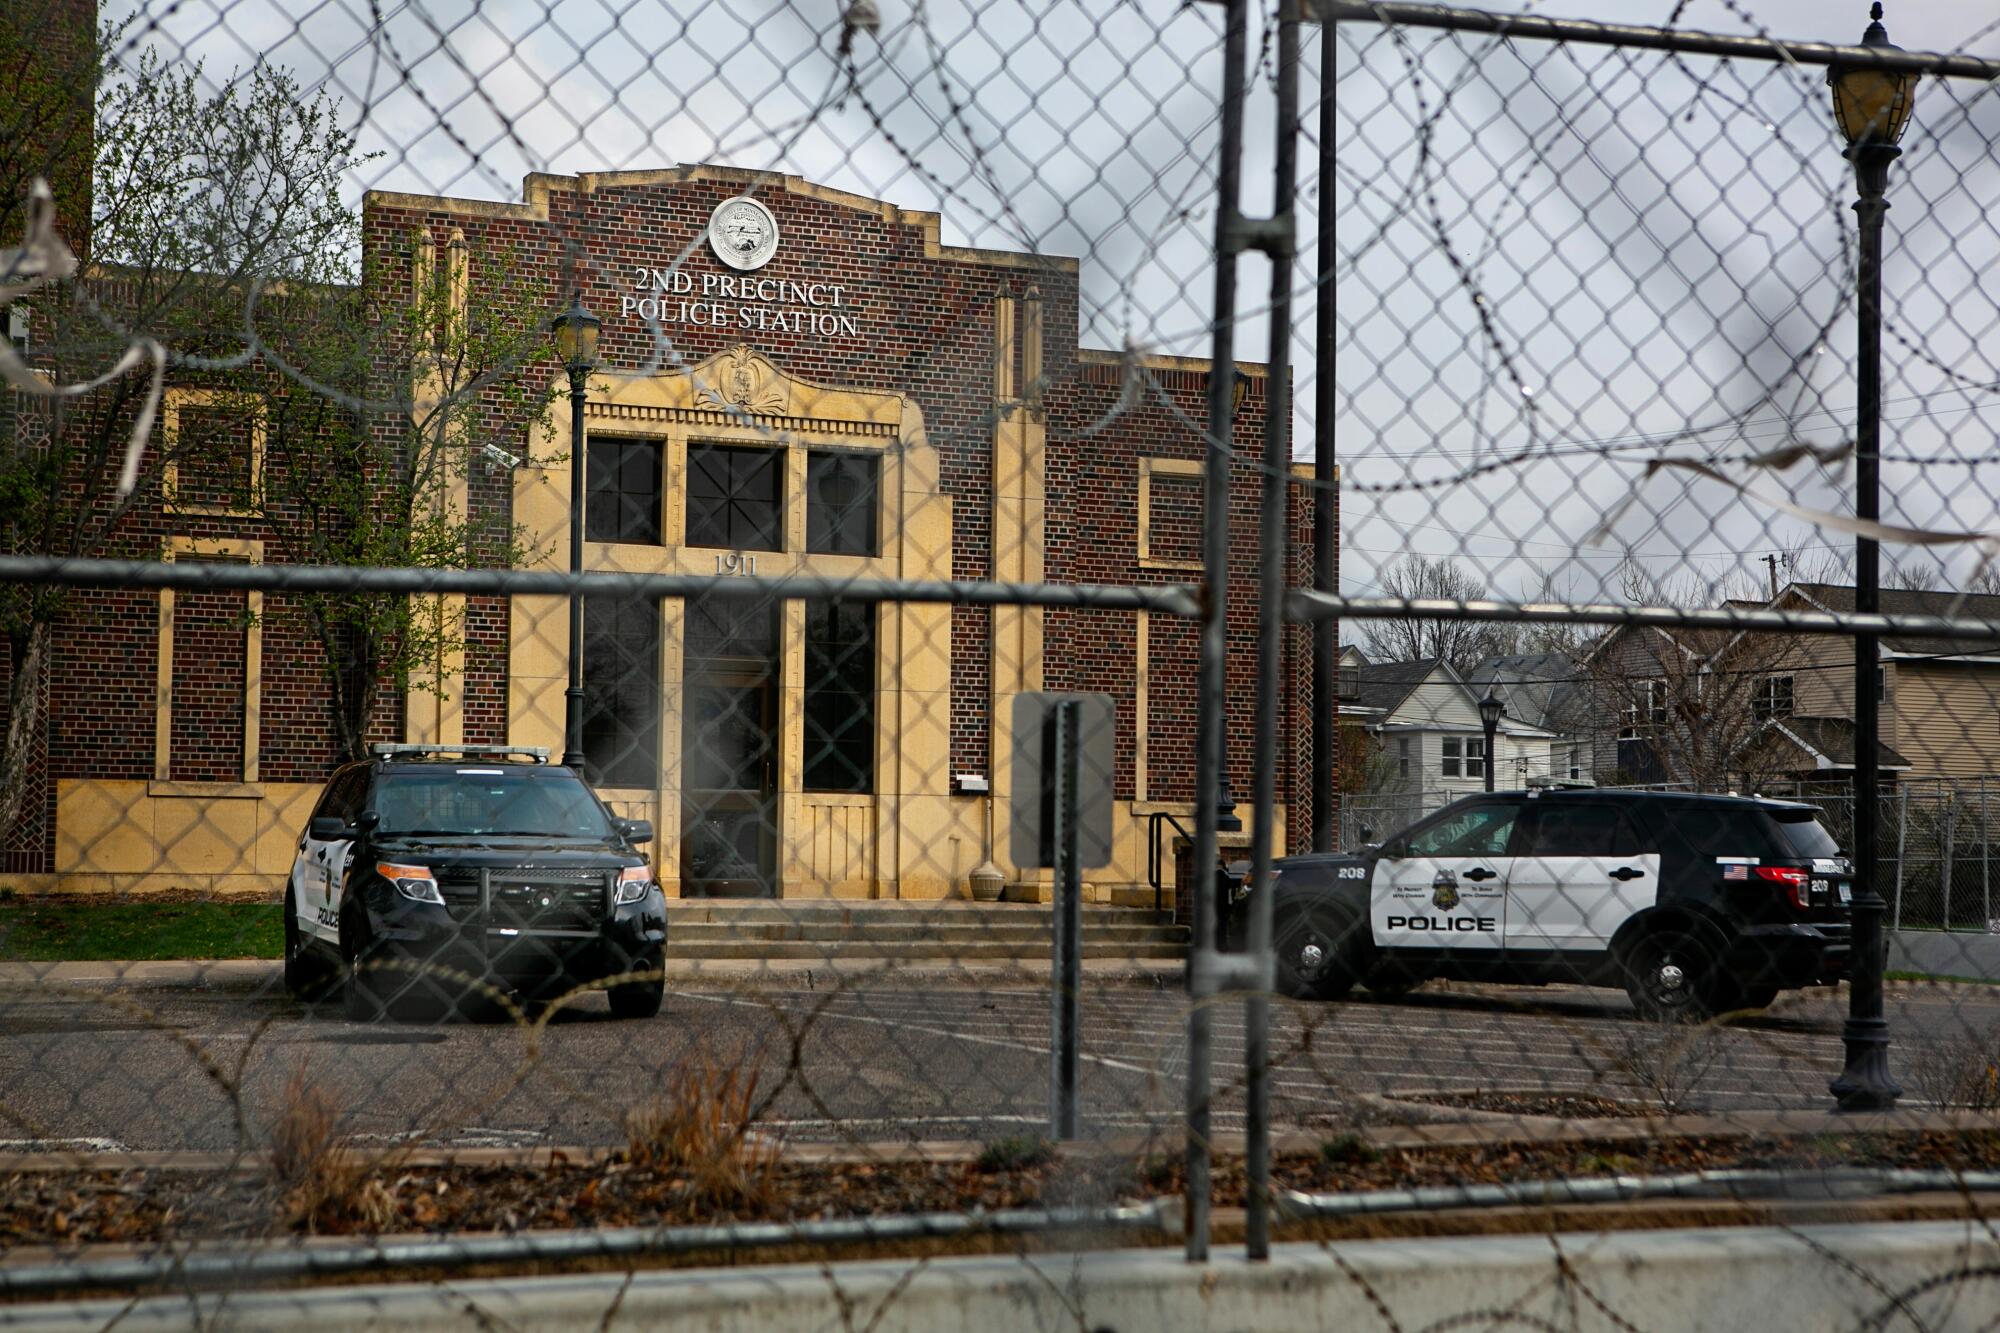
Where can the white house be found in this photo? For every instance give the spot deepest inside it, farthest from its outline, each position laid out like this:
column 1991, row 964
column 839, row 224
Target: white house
column 1424, row 717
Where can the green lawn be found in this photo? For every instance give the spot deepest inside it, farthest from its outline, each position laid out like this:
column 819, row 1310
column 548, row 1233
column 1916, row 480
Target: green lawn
column 45, row 931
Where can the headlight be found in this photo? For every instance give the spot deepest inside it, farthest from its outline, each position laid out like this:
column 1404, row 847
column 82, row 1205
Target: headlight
column 633, row 881
column 413, row 882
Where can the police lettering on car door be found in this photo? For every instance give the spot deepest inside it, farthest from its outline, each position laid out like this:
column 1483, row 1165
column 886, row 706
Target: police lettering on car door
column 1444, row 884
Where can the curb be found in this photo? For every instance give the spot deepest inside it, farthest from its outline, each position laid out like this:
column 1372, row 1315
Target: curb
column 1937, row 1275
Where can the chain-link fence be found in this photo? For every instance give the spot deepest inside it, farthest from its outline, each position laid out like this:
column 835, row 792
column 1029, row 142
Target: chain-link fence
column 695, row 634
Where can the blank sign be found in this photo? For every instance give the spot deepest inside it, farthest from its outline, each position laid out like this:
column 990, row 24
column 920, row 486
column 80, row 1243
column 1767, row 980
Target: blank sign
column 1097, row 728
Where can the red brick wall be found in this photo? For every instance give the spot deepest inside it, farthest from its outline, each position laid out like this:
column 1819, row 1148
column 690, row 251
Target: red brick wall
column 208, row 702
column 926, row 329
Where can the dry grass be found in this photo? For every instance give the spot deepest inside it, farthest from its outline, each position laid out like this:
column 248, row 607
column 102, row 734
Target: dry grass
column 699, row 1133
column 323, row 1184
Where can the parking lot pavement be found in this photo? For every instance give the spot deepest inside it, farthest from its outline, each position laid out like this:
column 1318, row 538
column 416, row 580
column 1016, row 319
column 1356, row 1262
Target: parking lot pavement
column 168, row 1067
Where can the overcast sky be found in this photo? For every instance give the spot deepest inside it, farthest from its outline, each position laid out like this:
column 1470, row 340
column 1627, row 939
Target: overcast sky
column 1599, row 248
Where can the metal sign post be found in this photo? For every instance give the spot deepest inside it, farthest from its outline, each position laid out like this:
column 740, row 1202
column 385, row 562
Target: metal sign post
column 1067, row 962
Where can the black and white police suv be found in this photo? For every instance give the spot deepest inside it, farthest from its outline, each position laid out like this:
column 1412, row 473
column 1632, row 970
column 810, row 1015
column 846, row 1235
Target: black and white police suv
column 1693, row 904
column 427, row 865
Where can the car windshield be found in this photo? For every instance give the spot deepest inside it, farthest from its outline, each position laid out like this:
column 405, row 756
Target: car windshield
column 446, row 802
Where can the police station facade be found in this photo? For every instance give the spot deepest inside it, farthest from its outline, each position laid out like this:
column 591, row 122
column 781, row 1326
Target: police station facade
column 849, row 397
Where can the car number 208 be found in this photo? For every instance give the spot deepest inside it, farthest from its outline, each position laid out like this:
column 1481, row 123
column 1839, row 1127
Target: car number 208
column 1353, row 872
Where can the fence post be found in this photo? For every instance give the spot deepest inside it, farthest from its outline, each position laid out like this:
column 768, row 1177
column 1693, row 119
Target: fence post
column 1950, row 828
column 1211, row 752
column 1902, row 843
column 1985, row 862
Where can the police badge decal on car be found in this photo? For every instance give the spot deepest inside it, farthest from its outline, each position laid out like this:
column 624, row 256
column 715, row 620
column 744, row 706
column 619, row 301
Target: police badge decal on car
column 1444, row 897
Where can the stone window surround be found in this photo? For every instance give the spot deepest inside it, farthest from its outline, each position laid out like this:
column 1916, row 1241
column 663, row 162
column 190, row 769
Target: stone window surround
column 210, row 549
column 1148, row 469
column 170, row 423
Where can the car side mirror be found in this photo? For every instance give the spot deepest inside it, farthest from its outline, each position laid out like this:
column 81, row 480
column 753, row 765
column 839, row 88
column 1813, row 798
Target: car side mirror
column 1367, row 833
column 635, row 831
column 328, row 828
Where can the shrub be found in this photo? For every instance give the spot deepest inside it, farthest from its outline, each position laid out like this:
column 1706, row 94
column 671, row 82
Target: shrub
column 1667, row 1059
column 322, row 1183
column 1349, row 1149
column 1021, row 1152
column 1957, row 1068
column 700, row 1131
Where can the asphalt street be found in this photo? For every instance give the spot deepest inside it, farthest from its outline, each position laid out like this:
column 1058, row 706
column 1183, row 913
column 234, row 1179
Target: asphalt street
column 194, row 1068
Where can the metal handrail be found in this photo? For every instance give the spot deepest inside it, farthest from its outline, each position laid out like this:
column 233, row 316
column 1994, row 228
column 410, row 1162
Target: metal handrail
column 1154, row 861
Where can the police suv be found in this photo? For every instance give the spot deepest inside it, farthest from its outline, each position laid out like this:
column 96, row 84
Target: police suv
column 1693, row 904
column 463, row 869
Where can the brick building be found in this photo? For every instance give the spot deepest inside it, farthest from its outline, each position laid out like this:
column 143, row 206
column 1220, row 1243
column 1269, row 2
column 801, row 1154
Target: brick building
column 861, row 401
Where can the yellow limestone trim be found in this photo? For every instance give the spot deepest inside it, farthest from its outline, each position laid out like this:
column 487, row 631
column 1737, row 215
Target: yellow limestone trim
column 171, row 405
column 209, row 548
column 740, row 396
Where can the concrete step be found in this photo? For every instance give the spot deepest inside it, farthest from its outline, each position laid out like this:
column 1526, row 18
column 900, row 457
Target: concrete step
column 702, row 932
column 852, row 949
column 765, row 910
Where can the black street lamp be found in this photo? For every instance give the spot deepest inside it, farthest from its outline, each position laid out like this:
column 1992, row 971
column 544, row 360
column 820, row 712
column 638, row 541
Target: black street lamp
column 575, row 333
column 1872, row 107
column 1490, row 709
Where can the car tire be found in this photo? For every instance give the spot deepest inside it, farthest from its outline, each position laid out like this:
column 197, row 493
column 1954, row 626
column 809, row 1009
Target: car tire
column 307, row 976
column 637, row 999
column 1316, row 948
column 1670, row 976
column 1746, row 998
column 1392, row 981
column 364, row 997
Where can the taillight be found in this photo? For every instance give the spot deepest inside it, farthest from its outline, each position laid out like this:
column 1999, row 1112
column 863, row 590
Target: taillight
column 1793, row 878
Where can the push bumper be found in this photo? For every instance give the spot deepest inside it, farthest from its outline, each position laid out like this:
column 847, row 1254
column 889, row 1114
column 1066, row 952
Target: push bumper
column 518, row 957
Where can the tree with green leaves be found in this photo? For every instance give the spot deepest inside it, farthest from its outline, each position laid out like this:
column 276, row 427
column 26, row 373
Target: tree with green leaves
column 433, row 367
column 219, row 230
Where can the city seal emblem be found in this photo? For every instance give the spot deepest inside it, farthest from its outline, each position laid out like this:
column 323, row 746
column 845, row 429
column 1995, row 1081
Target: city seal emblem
column 1444, row 897
column 743, row 233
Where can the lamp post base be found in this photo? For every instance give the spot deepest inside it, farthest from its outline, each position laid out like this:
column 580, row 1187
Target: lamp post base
column 1866, row 1084
column 573, row 728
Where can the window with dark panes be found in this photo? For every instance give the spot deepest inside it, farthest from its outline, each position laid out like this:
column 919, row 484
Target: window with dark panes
column 840, row 503
column 1581, row 830
column 732, row 628
column 622, row 491
column 621, row 692
column 1773, row 698
column 840, row 696
column 735, row 497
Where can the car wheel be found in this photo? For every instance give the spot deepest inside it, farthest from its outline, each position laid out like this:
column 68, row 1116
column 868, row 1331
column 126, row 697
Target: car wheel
column 1737, row 998
column 638, row 999
column 1392, row 981
column 1315, row 952
column 1670, row 976
column 365, row 996
column 306, row 974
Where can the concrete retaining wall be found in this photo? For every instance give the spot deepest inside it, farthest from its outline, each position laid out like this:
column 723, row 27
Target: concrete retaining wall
column 1945, row 954
column 1752, row 1280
